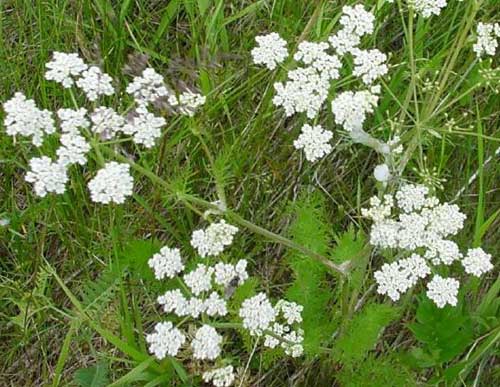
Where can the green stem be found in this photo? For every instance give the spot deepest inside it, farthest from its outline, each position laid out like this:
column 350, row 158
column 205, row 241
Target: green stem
column 190, row 199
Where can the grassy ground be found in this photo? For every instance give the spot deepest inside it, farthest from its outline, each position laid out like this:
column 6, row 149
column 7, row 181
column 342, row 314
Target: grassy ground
column 206, row 43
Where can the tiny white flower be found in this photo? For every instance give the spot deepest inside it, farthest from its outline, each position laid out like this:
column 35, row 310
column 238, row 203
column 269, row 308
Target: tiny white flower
column 477, row 262
column 200, row 279
column 314, row 141
column 165, row 340
column 47, row 176
column 147, row 88
column 73, row 120
column 443, row 291
column 270, row 51
column 24, row 118
column 220, row 377
column 73, row 149
column 167, row 263
column 113, row 183
column 206, row 344
column 429, row 7
column 213, row 240
column 174, row 301
column 63, row 68
column 145, row 128
column 95, row 83
column 106, row 122
column 257, row 314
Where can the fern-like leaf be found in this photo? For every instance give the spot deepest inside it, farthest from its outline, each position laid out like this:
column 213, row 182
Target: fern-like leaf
column 363, row 331
column 309, row 289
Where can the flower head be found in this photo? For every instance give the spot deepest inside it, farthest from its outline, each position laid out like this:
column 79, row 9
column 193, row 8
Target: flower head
column 165, row 340
column 270, row 51
column 24, row 118
column 47, row 176
column 477, row 262
column 113, row 183
column 257, row 314
column 206, row 344
column 213, row 240
column 63, row 68
column 443, row 291
column 95, row 83
column 314, row 141
column 167, row 263
column 220, row 377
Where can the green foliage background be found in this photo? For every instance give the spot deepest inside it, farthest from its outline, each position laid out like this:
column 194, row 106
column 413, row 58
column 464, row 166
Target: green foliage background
column 75, row 292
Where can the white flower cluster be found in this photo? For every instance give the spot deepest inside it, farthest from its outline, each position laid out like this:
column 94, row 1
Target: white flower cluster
column 63, row 68
column 487, row 39
column 350, row 108
column 148, row 87
column 167, row 263
column 220, row 377
column 77, row 125
column 213, row 240
column 145, row 128
column 205, row 284
column 261, row 318
column 47, row 176
column 428, row 8
column 187, row 103
column 443, row 291
column 112, row 184
column 270, row 51
column 308, row 85
column 421, row 226
column 24, row 118
column 165, row 340
column 95, row 83
column 314, row 141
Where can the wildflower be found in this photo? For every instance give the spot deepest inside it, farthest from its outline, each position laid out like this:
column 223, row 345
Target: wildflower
column 147, row 88
column 220, row 377
column 214, row 239
column 95, row 83
column 429, row 7
column 200, row 279
column 314, row 54
column 215, row 305
column 357, row 20
column 257, row 314
column 396, row 278
column 64, row 67
column 206, row 343
column 477, row 262
column 73, row 149
column 442, row 251
column 314, row 141
column 196, row 306
column 106, row 122
column 382, row 173
column 304, row 92
column 224, row 273
column 411, row 197
column 165, row 340
column 350, row 108
column 24, row 118
column 292, row 343
column 73, row 120
column 291, row 311
column 270, row 51
column 145, row 128
column 174, row 301
column 369, row 65
column 379, row 210
column 443, row 291
column 188, row 102
column 344, row 41
column 487, row 39
column 47, row 176
column 113, row 183
column 167, row 263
